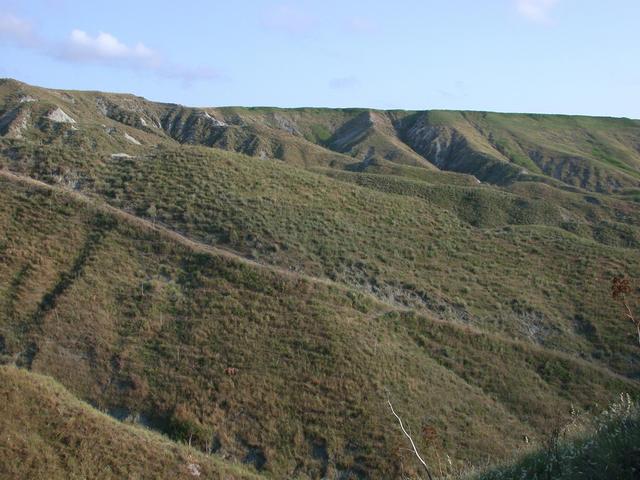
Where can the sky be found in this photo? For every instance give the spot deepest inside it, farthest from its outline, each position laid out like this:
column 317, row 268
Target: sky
column 549, row 56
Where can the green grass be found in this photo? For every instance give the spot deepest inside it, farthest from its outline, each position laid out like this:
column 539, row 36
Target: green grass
column 326, row 280
column 398, row 247
column 425, row 254
column 47, row 433
column 129, row 319
column 598, row 154
column 486, row 207
column 605, row 448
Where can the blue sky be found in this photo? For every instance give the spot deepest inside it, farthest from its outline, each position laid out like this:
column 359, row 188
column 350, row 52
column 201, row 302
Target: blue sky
column 555, row 56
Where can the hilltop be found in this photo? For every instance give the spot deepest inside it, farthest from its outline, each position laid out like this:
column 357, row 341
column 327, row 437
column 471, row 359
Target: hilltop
column 598, row 154
column 257, row 281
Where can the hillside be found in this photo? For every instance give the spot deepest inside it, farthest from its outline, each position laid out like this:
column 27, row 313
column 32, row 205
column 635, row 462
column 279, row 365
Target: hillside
column 597, row 154
column 47, row 433
column 256, row 281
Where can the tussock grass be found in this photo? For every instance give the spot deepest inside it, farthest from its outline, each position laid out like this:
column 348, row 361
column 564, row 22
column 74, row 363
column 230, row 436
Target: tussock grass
column 261, row 305
column 48, row 433
column 146, row 326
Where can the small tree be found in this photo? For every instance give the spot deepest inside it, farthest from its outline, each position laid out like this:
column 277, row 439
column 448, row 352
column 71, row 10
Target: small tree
column 620, row 289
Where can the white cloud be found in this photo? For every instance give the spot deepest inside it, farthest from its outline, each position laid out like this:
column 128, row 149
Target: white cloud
column 536, row 10
column 104, row 48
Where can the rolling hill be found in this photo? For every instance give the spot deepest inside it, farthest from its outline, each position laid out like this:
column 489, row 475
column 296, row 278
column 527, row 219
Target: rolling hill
column 257, row 282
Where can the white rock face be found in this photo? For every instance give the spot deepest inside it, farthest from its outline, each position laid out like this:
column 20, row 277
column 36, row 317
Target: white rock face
column 215, row 121
column 120, row 155
column 59, row 116
column 27, row 99
column 24, row 124
column 131, row 139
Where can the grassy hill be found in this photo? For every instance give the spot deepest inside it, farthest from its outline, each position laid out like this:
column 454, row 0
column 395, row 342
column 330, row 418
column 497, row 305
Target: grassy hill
column 598, row 154
column 263, row 304
column 48, row 433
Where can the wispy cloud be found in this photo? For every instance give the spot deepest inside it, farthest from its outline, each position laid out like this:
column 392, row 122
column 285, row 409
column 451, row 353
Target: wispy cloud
column 343, row 82
column 536, row 10
column 289, row 19
column 103, row 49
column 17, row 31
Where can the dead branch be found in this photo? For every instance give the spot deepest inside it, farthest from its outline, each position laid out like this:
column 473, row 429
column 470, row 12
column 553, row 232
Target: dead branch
column 413, row 445
column 620, row 288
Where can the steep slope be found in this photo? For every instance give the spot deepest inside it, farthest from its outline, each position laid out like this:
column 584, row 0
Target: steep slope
column 597, row 154
column 47, row 433
column 146, row 324
column 524, row 267
column 259, row 139
column 370, row 136
column 264, row 304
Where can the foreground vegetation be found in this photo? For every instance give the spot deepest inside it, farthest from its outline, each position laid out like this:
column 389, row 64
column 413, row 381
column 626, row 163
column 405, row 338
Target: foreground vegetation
column 607, row 447
column 166, row 318
column 47, row 433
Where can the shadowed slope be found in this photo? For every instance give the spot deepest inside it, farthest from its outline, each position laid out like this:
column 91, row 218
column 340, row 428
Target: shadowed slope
column 47, row 433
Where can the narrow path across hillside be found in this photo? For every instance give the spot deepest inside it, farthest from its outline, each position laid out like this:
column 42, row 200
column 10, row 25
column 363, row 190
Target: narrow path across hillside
column 382, row 306
column 188, row 242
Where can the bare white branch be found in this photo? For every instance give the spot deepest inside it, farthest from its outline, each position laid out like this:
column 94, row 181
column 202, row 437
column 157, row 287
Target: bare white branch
column 413, row 445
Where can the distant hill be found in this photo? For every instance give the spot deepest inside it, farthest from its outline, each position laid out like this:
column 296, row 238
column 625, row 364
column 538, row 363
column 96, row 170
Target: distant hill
column 598, row 154
column 257, row 281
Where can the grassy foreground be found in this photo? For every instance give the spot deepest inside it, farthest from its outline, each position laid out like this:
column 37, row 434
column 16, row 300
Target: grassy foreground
column 144, row 324
column 47, row 433
column 611, row 450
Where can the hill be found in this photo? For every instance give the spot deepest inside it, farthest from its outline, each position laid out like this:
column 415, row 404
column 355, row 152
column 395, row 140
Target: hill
column 262, row 303
column 597, row 154
column 47, row 433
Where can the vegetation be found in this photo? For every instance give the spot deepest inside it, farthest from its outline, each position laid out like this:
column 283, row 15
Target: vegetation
column 260, row 306
column 47, row 433
column 609, row 450
column 620, row 288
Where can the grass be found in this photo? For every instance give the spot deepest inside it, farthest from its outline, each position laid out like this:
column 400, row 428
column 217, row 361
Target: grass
column 263, row 308
column 487, row 207
column 606, row 447
column 598, row 154
column 401, row 248
column 48, row 433
column 148, row 325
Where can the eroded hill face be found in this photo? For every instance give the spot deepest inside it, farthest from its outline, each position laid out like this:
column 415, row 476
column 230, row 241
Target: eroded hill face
column 597, row 154
column 264, row 304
